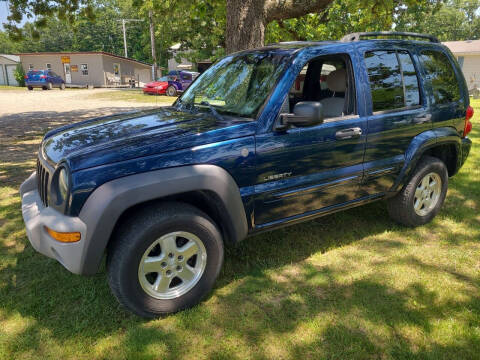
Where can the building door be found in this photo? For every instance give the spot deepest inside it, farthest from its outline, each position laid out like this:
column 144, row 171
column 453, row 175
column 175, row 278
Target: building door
column 68, row 74
column 11, row 75
column 3, row 81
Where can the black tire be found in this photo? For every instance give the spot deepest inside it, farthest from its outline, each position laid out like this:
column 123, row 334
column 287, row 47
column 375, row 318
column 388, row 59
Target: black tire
column 401, row 207
column 49, row 86
column 171, row 91
column 44, row 88
column 136, row 235
column 30, row 87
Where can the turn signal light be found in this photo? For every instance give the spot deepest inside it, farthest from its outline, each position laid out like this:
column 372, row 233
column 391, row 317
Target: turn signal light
column 468, row 123
column 67, row 237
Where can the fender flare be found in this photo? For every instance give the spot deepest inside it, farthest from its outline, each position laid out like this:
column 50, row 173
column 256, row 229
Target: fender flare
column 420, row 144
column 107, row 203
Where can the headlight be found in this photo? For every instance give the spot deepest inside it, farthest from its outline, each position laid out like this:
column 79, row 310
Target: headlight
column 63, row 185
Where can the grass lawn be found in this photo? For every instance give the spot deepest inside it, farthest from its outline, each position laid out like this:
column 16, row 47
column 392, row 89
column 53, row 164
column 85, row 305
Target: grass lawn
column 133, row 96
column 6, row 87
column 352, row 285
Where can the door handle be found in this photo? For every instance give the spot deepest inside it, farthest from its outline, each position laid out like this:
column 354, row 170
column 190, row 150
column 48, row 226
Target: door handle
column 348, row 133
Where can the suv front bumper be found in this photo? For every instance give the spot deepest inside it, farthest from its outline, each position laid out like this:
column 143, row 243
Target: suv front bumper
column 36, row 216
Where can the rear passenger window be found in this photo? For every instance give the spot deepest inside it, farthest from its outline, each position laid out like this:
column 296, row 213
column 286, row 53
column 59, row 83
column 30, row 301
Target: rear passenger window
column 393, row 80
column 440, row 73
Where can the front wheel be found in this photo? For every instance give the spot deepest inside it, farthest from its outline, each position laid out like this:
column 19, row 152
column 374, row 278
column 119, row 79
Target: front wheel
column 422, row 197
column 171, row 91
column 164, row 259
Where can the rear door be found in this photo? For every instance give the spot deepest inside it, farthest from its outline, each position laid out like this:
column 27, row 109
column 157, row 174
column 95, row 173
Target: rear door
column 398, row 111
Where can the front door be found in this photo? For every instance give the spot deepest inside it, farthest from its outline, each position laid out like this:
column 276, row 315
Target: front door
column 302, row 172
column 68, row 74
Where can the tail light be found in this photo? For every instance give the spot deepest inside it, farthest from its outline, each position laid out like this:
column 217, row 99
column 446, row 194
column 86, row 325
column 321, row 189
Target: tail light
column 25, row 77
column 468, row 123
column 43, row 76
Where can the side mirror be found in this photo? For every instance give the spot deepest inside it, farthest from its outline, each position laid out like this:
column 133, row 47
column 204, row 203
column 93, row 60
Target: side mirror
column 305, row 113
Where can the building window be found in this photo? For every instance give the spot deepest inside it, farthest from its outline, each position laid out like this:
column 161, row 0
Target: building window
column 84, row 69
column 30, row 66
column 461, row 59
column 116, row 69
column 49, row 66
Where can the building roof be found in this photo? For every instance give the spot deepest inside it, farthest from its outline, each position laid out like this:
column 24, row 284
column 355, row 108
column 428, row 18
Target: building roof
column 464, row 47
column 11, row 57
column 87, row 53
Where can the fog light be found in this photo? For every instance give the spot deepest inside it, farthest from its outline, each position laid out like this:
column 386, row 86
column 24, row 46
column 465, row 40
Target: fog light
column 63, row 236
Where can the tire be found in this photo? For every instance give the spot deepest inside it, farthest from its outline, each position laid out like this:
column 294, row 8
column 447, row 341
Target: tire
column 62, row 86
column 135, row 241
column 417, row 203
column 171, row 91
column 44, row 88
column 49, row 86
column 30, row 88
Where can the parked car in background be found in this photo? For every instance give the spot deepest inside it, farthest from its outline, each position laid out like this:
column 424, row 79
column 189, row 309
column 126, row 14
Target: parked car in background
column 45, row 79
column 177, row 81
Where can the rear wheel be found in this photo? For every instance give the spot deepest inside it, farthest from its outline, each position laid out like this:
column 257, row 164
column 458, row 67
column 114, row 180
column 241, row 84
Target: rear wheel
column 171, row 91
column 30, row 87
column 423, row 196
column 164, row 259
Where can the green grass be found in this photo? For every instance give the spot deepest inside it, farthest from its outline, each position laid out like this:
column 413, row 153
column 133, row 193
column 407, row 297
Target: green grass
column 352, row 285
column 6, row 87
column 133, row 96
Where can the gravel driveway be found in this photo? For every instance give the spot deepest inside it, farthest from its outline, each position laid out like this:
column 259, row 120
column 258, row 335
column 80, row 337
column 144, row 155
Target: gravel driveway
column 26, row 115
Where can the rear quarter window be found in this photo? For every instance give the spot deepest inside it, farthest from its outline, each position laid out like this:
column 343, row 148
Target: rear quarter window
column 440, row 74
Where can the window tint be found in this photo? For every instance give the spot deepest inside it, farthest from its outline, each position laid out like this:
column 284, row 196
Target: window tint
column 440, row 74
column 385, row 80
column 410, row 80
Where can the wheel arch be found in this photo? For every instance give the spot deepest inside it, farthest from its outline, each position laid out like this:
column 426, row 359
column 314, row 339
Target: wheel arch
column 443, row 143
column 208, row 187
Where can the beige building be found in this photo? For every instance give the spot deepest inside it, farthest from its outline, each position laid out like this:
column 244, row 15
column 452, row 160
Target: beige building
column 8, row 64
column 468, row 57
column 99, row 69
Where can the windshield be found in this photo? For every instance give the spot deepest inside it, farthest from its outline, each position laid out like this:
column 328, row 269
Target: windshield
column 237, row 84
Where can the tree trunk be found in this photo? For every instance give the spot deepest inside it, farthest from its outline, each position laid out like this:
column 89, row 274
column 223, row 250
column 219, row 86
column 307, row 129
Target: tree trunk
column 245, row 25
column 247, row 19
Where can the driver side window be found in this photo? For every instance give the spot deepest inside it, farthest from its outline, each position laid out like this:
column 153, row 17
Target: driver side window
column 328, row 80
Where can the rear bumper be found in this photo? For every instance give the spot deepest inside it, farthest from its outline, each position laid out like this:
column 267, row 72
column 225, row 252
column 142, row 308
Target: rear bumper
column 36, row 83
column 36, row 216
column 466, row 146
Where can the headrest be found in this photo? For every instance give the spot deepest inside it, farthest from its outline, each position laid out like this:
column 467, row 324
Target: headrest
column 337, row 80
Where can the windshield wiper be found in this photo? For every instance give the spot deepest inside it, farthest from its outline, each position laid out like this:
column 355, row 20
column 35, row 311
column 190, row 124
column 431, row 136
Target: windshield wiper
column 213, row 110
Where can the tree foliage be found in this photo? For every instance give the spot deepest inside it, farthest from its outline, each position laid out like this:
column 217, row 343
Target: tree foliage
column 199, row 25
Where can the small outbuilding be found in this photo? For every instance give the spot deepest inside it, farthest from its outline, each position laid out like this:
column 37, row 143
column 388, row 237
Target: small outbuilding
column 468, row 56
column 8, row 64
column 90, row 68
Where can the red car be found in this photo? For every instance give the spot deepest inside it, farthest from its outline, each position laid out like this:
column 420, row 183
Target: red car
column 158, row 87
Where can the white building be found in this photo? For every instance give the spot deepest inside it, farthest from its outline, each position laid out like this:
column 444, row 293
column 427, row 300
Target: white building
column 468, row 56
column 8, row 64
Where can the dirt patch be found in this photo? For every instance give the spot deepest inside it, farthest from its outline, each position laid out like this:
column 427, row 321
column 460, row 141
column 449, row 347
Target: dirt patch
column 25, row 116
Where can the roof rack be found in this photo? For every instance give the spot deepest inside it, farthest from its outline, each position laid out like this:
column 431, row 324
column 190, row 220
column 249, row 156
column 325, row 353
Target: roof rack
column 357, row 36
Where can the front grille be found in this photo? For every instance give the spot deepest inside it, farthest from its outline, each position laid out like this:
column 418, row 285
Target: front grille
column 42, row 182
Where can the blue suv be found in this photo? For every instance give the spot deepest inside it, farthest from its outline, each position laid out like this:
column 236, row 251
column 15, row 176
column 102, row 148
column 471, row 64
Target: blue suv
column 264, row 138
column 45, row 79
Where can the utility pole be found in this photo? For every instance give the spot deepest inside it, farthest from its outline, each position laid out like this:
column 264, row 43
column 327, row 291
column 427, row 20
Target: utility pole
column 124, row 21
column 152, row 41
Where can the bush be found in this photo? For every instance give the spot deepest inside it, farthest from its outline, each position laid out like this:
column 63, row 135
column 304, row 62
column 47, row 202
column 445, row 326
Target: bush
column 19, row 75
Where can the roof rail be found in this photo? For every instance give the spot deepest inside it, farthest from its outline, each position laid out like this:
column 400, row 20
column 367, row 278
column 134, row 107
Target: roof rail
column 357, row 36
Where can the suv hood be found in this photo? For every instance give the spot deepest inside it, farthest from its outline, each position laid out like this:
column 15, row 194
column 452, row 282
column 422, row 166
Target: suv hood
column 136, row 134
